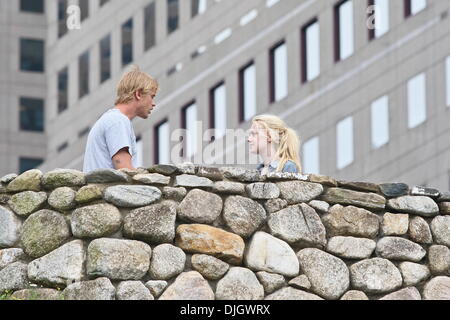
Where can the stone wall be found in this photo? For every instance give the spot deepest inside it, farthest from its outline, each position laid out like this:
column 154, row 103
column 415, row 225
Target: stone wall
column 187, row 232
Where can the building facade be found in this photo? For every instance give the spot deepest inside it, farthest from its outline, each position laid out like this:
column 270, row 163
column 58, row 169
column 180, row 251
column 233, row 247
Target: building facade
column 366, row 84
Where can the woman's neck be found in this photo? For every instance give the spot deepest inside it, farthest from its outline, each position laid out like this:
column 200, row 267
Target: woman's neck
column 268, row 157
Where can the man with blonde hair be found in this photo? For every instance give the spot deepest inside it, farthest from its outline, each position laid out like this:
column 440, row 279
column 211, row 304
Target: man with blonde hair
column 111, row 142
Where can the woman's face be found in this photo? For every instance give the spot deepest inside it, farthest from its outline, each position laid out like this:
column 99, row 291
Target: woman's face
column 258, row 139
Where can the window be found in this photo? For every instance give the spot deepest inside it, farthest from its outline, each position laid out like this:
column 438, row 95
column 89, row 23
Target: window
column 172, row 15
column 35, row 6
column 310, row 35
column 105, row 58
column 84, row 9
column 63, row 79
column 162, row 143
column 278, row 72
column 380, row 122
column 412, row 7
column 247, row 92
column 197, row 7
column 218, row 110
column 139, row 152
column 127, row 42
column 32, row 114
column 344, row 143
column 447, row 68
column 189, row 122
column 26, row 164
column 62, row 24
column 150, row 26
column 102, row 2
column 380, row 18
column 32, row 55
column 83, row 74
column 310, row 155
column 417, row 107
column 343, row 30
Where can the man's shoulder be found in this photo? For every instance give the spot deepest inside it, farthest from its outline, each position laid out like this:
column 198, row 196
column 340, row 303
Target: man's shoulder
column 110, row 119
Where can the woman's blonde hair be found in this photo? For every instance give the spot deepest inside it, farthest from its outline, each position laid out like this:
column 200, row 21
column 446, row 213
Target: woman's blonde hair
column 134, row 81
column 286, row 138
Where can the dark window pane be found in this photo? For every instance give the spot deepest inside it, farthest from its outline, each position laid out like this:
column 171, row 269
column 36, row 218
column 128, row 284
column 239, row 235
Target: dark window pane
column 150, row 26
column 36, row 6
column 172, row 15
column 127, row 42
column 84, row 9
column 83, row 74
column 105, row 58
column 62, row 24
column 26, row 164
column 31, row 114
column 63, row 79
column 32, row 55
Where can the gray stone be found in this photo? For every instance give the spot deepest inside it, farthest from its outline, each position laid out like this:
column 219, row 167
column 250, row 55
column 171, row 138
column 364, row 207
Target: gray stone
column 440, row 227
column 9, row 256
column 63, row 178
column 329, row 276
column 43, row 232
column 419, row 205
column 133, row 172
column 156, row 287
column 239, row 284
column 319, row 205
column 10, row 226
column 410, row 293
column 192, row 181
column 299, row 224
column 118, row 259
column 437, row 288
column 274, row 205
column 106, row 176
column 152, row 178
column 444, row 197
column 186, row 168
column 301, row 282
column 152, row 224
column 286, row 176
column 395, row 224
column 289, row 293
column 209, row 267
column 40, row 294
column 423, row 191
column 167, row 262
column 323, row 180
column 210, row 173
column 188, row 286
column 375, row 275
column 8, row 178
column 351, row 247
column 262, row 191
column 133, row 290
column 359, row 186
column 132, row 196
column 354, row 198
column 270, row 281
column 395, row 248
column 243, row 216
column 394, row 190
column 176, row 194
column 241, row 174
column 98, row 289
column 413, row 273
column 62, row 199
column 164, row 169
column 27, row 181
column 354, row 295
column 419, row 231
column 439, row 260
column 90, row 193
column 267, row 253
column 200, row 206
column 13, row 277
column 351, row 221
column 228, row 187
column 60, row 267
column 27, row 202
column 444, row 208
column 299, row 191
column 96, row 221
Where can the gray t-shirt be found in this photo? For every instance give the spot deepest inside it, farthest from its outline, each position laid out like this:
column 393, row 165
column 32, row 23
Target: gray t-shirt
column 112, row 132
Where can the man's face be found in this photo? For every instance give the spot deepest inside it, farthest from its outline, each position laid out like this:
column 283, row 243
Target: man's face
column 145, row 105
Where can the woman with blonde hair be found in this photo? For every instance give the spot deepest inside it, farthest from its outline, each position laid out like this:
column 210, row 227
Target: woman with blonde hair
column 276, row 143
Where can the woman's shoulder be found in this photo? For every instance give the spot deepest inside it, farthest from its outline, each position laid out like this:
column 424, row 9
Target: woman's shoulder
column 290, row 166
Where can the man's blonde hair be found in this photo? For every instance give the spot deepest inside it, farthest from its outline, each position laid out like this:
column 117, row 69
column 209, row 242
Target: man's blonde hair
column 134, row 81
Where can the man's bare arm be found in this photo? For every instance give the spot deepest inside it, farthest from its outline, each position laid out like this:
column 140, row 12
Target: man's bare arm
column 122, row 159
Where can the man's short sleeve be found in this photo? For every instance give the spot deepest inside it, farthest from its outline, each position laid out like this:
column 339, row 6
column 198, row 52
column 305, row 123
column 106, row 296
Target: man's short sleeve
column 118, row 137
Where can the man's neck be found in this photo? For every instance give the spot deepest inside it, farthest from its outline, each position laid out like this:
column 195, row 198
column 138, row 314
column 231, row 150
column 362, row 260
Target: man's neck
column 127, row 110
